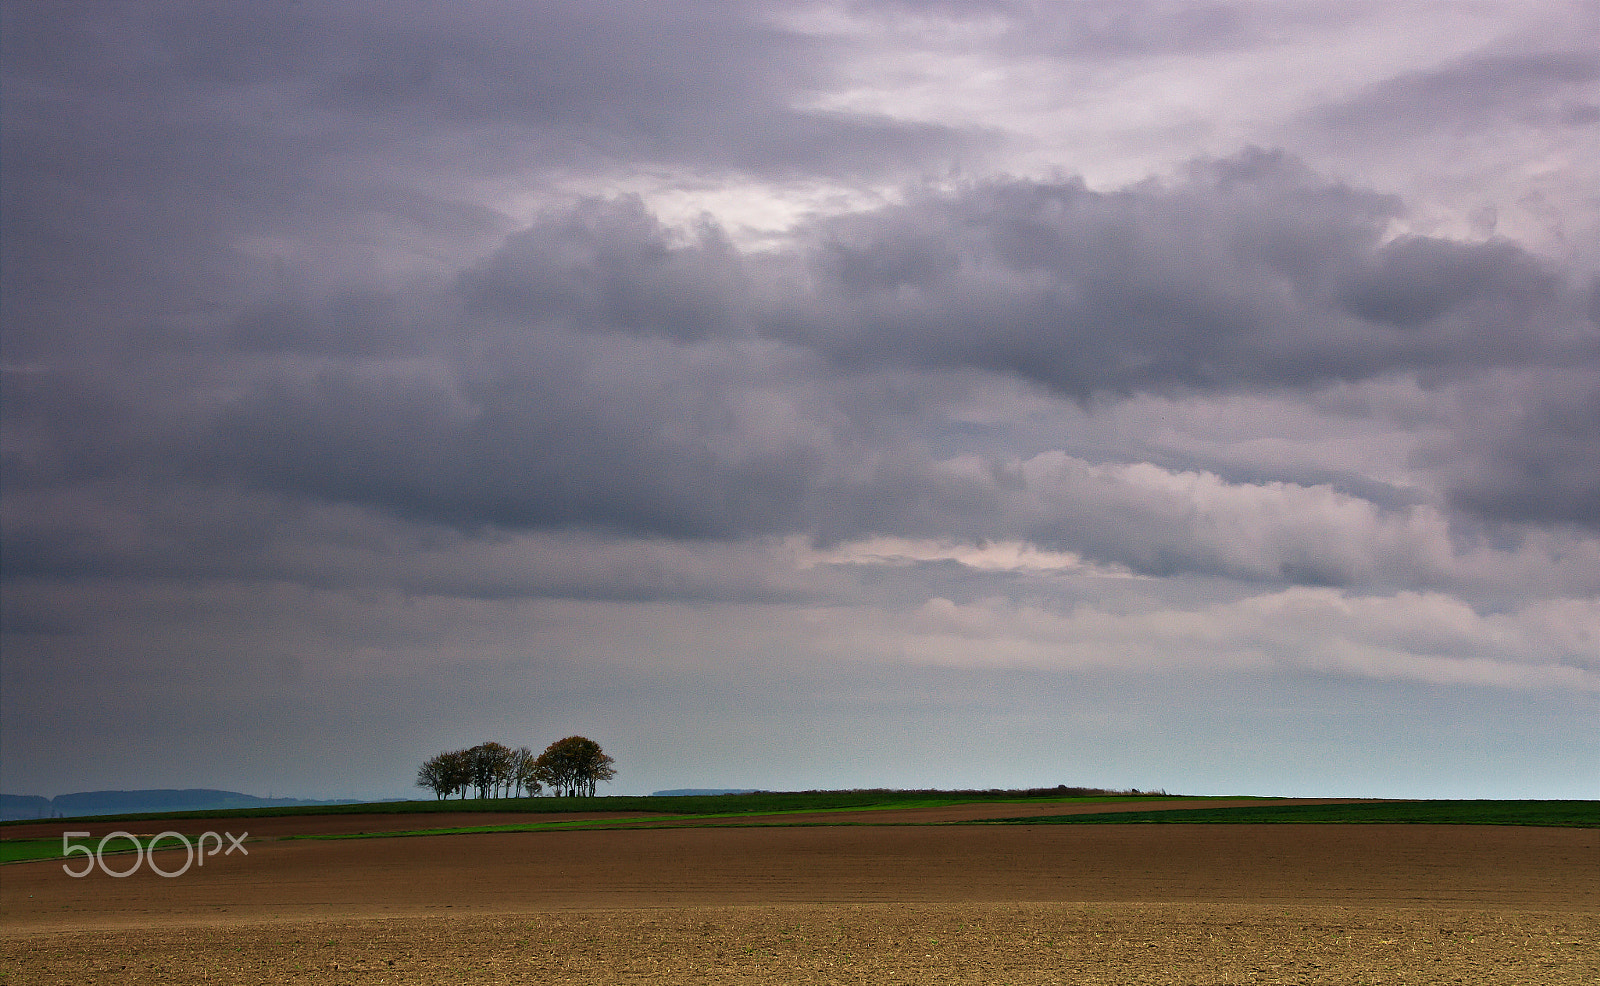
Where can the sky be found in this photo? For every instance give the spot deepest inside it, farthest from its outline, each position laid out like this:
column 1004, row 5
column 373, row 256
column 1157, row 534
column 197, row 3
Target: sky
column 1200, row 395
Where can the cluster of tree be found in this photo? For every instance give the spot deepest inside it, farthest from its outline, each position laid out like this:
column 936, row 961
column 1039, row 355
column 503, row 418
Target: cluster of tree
column 571, row 767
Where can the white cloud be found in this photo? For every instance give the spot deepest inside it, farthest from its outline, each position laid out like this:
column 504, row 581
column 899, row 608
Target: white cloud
column 1426, row 637
column 989, row 556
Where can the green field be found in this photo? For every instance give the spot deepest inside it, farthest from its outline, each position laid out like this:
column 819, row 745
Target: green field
column 1566, row 814
column 19, row 850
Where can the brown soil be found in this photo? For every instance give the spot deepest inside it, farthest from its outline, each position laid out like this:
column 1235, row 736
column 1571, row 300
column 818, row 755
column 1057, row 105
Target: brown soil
column 983, row 945
column 845, row 904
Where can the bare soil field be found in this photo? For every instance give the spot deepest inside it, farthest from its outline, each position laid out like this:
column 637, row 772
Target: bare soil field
column 832, row 904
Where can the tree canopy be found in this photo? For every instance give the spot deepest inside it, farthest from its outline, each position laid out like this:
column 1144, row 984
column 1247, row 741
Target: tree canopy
column 572, row 766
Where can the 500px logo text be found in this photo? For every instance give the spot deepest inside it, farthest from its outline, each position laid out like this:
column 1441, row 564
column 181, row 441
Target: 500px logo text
column 194, row 852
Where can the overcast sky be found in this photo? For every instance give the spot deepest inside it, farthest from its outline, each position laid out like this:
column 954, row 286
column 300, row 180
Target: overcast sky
column 1189, row 395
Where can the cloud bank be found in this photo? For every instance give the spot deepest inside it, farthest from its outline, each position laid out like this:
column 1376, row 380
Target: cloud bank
column 596, row 353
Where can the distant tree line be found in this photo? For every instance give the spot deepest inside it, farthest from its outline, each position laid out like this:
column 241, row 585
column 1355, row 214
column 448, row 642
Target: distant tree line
column 568, row 767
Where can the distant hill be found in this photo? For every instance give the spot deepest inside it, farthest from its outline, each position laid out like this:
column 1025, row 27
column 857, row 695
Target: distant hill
column 24, row 806
column 684, row 792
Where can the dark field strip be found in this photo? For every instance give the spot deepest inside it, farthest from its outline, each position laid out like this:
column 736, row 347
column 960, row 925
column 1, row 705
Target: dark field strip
column 757, row 802
column 1563, row 814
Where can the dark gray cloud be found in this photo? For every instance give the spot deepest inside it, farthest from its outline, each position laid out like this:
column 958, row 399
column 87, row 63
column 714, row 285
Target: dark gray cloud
column 353, row 323
column 1529, row 452
column 1252, row 273
column 535, row 445
column 600, row 371
column 613, row 266
column 713, row 84
column 173, row 161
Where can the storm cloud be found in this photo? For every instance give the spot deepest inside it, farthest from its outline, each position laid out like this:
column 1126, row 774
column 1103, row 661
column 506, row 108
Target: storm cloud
column 619, row 356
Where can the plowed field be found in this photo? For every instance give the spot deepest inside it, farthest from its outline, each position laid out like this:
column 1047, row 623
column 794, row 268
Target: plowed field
column 828, row 904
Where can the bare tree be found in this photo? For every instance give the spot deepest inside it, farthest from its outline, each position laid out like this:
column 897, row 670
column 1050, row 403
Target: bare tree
column 434, row 774
column 491, row 768
column 447, row 773
column 459, row 766
column 524, row 769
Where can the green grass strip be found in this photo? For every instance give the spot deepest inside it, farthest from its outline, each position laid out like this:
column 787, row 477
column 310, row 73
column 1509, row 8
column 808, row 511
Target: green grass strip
column 22, row 850
column 26, row 850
